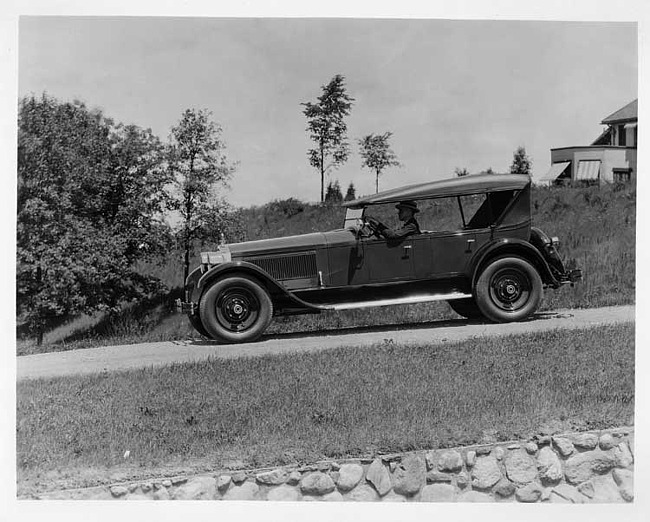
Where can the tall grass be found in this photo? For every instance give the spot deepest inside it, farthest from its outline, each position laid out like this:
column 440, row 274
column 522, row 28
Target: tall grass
column 595, row 224
column 275, row 410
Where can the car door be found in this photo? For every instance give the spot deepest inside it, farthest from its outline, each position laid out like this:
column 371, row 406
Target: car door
column 451, row 252
column 387, row 259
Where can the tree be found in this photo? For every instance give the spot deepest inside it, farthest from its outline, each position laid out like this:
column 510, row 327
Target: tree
column 327, row 128
column 377, row 154
column 521, row 163
column 89, row 208
column 333, row 194
column 351, row 193
column 461, row 172
column 199, row 167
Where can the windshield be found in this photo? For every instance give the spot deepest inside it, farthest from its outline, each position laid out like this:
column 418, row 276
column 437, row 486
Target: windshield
column 352, row 216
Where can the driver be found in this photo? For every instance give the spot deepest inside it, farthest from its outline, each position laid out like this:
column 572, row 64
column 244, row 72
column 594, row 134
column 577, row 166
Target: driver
column 406, row 214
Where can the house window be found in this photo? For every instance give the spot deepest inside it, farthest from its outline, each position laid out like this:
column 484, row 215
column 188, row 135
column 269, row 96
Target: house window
column 621, row 135
column 622, row 175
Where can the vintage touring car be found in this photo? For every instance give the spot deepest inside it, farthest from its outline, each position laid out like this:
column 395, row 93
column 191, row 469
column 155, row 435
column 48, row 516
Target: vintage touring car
column 487, row 262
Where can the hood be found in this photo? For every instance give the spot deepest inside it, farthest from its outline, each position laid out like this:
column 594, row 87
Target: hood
column 277, row 245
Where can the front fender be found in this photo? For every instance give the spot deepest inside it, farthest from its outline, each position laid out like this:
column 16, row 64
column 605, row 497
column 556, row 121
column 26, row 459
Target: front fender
column 517, row 247
column 277, row 291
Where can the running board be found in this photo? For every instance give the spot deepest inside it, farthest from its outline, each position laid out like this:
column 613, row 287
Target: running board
column 401, row 300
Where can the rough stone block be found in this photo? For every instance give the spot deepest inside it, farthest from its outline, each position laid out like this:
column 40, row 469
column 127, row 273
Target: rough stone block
column 579, row 468
column 586, row 441
column 498, row 452
column 474, row 496
column 605, row 489
column 161, row 494
column 378, row 476
column 564, row 446
column 196, row 488
column 284, row 493
column 349, row 476
column 273, row 478
column 462, row 480
column 569, row 493
column 531, row 447
column 607, row 441
column 529, row 493
column 623, row 455
column 294, row 478
column 409, row 476
column 119, row 491
column 316, row 483
column 470, row 458
column 362, row 493
column 587, row 489
column 450, row 461
column 549, row 465
column 223, row 482
column 391, row 496
column 334, row 496
column 624, row 479
column 437, row 476
column 504, row 488
column 438, row 493
column 239, row 477
column 246, row 491
column 486, row 472
column 520, row 467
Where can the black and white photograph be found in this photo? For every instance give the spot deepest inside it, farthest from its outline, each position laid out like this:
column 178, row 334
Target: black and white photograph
column 263, row 259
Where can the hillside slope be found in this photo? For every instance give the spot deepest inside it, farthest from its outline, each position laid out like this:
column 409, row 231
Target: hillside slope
column 595, row 225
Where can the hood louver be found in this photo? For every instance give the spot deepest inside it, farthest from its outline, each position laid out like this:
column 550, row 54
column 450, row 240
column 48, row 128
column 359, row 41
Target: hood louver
column 292, row 266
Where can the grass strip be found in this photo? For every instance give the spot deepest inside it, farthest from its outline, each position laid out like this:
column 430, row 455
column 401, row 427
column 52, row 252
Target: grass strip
column 275, row 410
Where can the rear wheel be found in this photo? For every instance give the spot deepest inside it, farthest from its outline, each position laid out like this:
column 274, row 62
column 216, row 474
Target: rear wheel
column 509, row 289
column 236, row 310
column 466, row 307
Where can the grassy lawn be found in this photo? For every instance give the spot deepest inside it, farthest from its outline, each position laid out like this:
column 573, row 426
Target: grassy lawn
column 299, row 408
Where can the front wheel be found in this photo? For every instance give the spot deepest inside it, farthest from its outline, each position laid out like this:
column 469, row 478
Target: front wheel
column 236, row 310
column 509, row 289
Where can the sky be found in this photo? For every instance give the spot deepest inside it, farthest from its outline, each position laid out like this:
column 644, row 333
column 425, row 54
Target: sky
column 454, row 93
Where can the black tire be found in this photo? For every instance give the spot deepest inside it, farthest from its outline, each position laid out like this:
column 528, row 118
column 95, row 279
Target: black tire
column 508, row 289
column 236, row 310
column 466, row 307
column 196, row 323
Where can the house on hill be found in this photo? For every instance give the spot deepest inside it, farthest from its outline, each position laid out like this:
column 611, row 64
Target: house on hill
column 610, row 158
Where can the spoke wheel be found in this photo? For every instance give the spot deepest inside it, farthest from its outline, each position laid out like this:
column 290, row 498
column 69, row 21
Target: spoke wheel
column 509, row 289
column 236, row 310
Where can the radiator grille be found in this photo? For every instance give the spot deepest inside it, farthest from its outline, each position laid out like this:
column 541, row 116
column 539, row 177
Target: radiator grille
column 294, row 266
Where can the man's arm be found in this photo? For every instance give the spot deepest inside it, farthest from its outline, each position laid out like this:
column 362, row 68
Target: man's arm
column 407, row 230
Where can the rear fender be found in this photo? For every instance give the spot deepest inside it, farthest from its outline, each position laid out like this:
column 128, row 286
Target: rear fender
column 516, row 247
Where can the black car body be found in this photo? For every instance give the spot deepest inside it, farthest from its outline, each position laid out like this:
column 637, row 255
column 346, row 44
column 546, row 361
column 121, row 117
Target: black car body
column 492, row 264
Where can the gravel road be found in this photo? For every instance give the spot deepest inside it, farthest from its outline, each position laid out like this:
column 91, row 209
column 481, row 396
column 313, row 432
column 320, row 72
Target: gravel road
column 116, row 358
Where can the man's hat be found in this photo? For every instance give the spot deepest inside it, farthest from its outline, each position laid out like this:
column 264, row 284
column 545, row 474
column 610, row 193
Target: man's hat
column 411, row 205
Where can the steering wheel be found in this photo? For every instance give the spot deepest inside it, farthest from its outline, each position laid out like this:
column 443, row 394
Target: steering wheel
column 373, row 225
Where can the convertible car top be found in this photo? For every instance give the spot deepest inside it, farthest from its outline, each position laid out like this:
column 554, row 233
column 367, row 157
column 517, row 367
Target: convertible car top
column 477, row 184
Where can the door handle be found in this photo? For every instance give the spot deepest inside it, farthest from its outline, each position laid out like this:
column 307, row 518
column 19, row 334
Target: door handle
column 470, row 242
column 406, row 253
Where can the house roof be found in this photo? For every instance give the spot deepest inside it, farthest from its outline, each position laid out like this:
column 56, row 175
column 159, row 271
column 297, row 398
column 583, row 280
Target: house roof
column 444, row 188
column 627, row 113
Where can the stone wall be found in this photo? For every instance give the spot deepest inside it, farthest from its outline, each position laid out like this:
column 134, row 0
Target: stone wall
column 571, row 468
